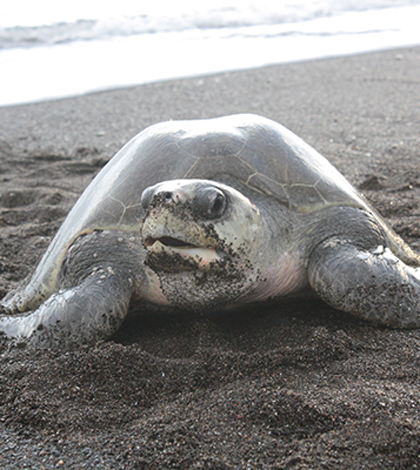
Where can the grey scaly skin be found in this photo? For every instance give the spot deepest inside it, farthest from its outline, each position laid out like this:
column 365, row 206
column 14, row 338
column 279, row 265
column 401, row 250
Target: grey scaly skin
column 357, row 272
column 213, row 214
column 93, row 296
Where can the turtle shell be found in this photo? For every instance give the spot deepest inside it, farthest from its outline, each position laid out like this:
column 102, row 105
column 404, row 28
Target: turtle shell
column 247, row 151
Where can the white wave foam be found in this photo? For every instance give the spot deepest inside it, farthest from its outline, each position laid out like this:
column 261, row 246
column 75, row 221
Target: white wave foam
column 157, row 17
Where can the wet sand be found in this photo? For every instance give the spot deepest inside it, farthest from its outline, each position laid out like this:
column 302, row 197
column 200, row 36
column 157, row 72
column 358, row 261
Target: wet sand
column 297, row 386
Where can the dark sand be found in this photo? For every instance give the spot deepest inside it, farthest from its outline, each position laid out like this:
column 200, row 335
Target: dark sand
column 300, row 386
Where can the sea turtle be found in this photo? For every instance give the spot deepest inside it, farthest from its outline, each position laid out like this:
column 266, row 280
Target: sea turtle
column 213, row 214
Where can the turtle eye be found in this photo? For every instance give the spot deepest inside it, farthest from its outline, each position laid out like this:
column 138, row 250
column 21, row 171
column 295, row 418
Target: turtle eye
column 209, row 203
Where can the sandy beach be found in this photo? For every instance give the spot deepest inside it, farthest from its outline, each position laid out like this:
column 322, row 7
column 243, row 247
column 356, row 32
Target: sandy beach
column 296, row 386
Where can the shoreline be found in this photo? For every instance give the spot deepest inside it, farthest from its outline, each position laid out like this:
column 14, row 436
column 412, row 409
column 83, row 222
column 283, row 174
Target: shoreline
column 297, row 385
column 203, row 75
column 78, row 66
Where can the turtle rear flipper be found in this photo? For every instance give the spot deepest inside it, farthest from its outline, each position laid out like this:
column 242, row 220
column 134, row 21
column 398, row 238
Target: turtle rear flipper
column 372, row 284
column 84, row 314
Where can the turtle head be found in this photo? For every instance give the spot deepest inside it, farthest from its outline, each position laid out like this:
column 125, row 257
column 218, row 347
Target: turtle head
column 201, row 238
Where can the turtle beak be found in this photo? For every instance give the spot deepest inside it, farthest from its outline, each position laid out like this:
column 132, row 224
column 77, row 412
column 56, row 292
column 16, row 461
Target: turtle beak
column 172, row 254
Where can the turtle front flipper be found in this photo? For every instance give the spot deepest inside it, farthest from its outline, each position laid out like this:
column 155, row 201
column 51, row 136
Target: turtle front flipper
column 94, row 290
column 87, row 313
column 371, row 284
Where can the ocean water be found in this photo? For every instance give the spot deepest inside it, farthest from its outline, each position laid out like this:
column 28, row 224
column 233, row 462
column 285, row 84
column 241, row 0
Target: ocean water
column 51, row 49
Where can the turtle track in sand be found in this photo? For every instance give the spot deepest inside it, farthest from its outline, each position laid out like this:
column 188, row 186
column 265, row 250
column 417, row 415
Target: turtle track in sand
column 37, row 192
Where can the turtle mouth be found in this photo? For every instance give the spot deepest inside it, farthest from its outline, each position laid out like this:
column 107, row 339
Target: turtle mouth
column 168, row 241
column 174, row 254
